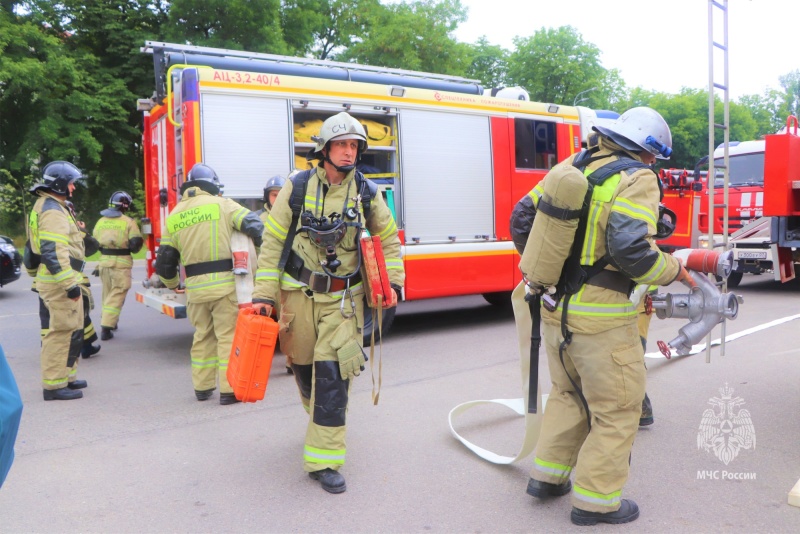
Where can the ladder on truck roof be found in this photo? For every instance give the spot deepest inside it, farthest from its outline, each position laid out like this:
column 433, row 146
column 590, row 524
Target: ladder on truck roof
column 168, row 54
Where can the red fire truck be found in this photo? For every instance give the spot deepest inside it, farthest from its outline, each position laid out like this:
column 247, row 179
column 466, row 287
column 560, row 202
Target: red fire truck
column 751, row 233
column 451, row 162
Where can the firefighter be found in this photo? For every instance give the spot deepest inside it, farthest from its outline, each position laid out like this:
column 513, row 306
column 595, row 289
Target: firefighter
column 55, row 250
column 197, row 233
column 119, row 237
column 320, row 288
column 88, row 348
column 90, row 246
column 271, row 191
column 595, row 356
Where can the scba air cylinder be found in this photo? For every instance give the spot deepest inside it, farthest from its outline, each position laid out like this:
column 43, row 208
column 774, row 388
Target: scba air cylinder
column 553, row 231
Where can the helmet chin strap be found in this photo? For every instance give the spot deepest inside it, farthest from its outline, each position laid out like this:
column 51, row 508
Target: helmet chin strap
column 345, row 169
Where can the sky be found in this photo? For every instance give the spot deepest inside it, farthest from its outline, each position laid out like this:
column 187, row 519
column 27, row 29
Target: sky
column 660, row 46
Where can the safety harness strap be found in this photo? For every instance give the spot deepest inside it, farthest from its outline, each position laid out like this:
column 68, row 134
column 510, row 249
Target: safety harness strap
column 115, row 251
column 562, row 214
column 535, row 305
column 296, row 202
column 208, row 267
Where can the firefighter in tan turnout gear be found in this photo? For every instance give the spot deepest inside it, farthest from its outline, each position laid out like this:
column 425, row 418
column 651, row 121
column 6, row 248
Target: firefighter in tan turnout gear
column 197, row 234
column 119, row 237
column 320, row 288
column 595, row 356
column 55, row 250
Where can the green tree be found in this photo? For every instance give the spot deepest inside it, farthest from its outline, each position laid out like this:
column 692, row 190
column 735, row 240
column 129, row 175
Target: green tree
column 488, row 63
column 231, row 24
column 555, row 65
column 687, row 116
column 104, row 38
column 413, row 35
column 611, row 92
column 788, row 102
column 325, row 28
column 53, row 105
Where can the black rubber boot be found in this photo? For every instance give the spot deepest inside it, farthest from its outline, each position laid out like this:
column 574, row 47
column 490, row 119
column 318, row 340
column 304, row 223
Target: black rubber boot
column 204, row 395
column 543, row 490
column 87, row 351
column 332, row 481
column 647, row 412
column 62, row 394
column 77, row 384
column 628, row 511
column 228, row 398
column 106, row 333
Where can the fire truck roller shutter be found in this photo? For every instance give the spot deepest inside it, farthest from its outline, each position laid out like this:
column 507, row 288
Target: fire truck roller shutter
column 245, row 138
column 429, row 180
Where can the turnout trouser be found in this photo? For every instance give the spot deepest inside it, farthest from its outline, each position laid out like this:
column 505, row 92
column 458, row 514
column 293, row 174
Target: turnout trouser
column 62, row 321
column 215, row 325
column 116, row 283
column 609, row 370
column 309, row 331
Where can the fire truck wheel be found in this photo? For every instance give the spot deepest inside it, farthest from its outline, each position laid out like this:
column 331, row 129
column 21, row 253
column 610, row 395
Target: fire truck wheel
column 734, row 279
column 388, row 319
column 501, row 298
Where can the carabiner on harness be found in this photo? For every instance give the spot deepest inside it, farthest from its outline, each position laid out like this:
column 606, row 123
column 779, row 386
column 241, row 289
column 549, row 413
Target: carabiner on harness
column 347, row 291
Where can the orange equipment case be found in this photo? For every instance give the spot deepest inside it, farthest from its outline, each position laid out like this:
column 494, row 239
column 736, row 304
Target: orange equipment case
column 251, row 355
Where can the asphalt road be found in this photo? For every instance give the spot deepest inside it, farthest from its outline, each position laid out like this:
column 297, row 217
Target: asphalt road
column 139, row 454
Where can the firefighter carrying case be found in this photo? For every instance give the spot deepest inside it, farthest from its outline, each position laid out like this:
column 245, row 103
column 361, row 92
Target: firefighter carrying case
column 251, row 355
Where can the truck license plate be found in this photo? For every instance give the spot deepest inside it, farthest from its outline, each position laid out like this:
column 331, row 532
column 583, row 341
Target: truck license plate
column 753, row 255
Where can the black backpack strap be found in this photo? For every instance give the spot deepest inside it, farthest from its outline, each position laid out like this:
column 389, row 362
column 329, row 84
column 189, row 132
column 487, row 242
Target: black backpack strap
column 296, row 202
column 599, row 176
column 368, row 190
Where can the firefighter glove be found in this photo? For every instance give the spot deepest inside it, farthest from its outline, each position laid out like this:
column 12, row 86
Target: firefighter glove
column 351, row 359
column 96, row 271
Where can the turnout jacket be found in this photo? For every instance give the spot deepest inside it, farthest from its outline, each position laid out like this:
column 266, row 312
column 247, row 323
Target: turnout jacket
column 323, row 199
column 118, row 233
column 198, row 230
column 55, row 237
column 621, row 228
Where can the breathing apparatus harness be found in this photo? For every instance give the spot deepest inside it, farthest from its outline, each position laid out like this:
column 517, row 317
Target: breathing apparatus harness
column 574, row 275
column 325, row 233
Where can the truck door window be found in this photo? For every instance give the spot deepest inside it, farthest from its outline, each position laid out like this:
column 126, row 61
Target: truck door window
column 535, row 144
column 745, row 169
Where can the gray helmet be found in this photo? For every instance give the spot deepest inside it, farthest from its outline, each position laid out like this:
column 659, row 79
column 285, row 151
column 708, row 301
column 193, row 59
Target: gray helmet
column 273, row 184
column 640, row 129
column 56, row 177
column 205, row 178
column 340, row 126
column 120, row 200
